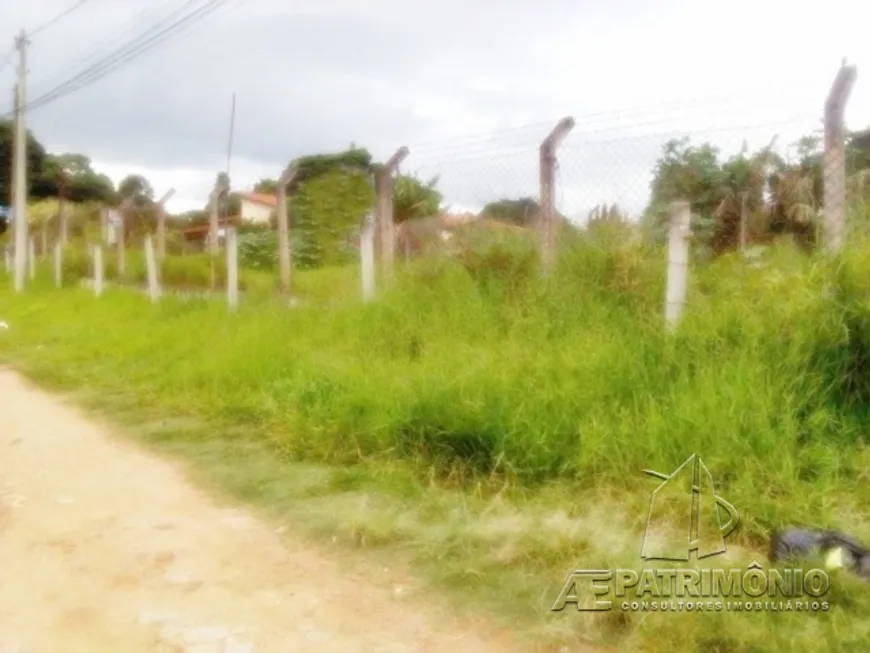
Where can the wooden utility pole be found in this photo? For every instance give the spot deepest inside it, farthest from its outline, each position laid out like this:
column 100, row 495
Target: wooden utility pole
column 834, row 161
column 385, row 218
column 547, row 222
column 284, row 262
column 20, row 158
column 743, row 218
column 161, row 224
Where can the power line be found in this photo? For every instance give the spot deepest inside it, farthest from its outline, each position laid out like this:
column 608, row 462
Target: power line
column 120, row 55
column 126, row 54
column 597, row 118
column 504, row 153
column 93, row 53
column 57, row 18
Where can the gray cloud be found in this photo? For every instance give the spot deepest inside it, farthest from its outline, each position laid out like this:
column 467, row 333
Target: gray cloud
column 313, row 77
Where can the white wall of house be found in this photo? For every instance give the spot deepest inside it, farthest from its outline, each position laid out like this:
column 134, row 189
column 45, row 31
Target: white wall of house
column 255, row 212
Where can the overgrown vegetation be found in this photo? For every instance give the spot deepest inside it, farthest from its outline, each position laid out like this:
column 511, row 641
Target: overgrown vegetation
column 473, row 373
column 493, row 426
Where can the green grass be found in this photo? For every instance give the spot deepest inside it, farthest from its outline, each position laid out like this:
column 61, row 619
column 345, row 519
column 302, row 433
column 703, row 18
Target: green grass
column 490, row 429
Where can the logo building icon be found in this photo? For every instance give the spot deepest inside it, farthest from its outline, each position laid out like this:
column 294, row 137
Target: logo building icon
column 689, row 493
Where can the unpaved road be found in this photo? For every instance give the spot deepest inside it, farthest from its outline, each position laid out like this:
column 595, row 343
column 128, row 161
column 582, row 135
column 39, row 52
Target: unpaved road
column 106, row 548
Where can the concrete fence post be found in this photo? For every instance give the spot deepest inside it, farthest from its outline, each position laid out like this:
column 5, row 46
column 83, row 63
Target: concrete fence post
column 98, row 269
column 384, row 183
column 678, row 262
column 151, row 267
column 834, row 160
column 547, row 221
column 232, row 245
column 161, row 224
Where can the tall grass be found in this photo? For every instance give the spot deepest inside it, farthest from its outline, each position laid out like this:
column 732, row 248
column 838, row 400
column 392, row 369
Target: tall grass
column 474, row 370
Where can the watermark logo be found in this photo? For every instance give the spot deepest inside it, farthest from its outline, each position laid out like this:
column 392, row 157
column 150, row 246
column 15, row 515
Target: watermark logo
column 707, row 519
column 690, row 487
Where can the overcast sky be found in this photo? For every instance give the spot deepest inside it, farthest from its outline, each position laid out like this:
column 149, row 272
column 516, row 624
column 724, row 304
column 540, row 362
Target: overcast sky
column 471, row 88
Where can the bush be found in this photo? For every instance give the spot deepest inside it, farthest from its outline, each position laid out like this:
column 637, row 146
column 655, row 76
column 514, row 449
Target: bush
column 498, row 262
column 258, row 250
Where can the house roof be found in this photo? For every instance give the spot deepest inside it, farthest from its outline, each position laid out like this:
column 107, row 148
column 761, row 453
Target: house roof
column 260, row 198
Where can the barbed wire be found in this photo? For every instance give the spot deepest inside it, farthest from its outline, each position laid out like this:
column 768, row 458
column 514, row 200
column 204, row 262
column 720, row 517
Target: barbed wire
column 591, row 171
column 575, row 140
column 594, row 118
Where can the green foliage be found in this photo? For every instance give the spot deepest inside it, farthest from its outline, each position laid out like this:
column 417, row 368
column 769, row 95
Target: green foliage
column 522, row 212
column 137, row 189
column 326, row 212
column 473, row 373
column 500, row 263
column 308, row 168
column 258, row 250
column 769, row 196
column 266, row 186
column 36, row 157
column 71, row 175
column 413, row 198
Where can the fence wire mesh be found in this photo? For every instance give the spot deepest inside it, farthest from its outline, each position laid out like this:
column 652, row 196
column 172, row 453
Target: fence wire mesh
column 746, row 184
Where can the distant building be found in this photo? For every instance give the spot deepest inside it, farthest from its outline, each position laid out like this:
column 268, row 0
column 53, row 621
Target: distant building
column 257, row 207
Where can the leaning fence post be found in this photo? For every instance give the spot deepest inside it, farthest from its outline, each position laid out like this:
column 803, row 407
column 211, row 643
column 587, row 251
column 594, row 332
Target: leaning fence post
column 161, row 223
column 678, row 261
column 385, row 217
column 834, row 176
column 98, row 270
column 367, row 257
column 232, row 245
column 151, row 267
column 547, row 220
column 58, row 265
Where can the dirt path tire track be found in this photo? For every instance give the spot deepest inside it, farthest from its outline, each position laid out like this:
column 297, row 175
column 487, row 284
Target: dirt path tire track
column 107, row 548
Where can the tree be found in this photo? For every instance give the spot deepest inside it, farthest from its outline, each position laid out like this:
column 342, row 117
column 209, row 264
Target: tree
column 522, row 212
column 763, row 190
column 415, row 199
column 137, row 189
column 310, row 167
column 266, row 186
column 80, row 182
column 325, row 212
column 35, row 162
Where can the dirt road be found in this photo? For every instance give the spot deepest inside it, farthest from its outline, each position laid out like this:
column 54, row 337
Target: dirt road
column 106, row 548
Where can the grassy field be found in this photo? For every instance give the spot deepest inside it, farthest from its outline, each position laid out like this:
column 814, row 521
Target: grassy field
column 492, row 429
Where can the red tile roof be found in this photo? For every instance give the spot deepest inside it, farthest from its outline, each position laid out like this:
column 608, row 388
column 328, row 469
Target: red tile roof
column 260, row 198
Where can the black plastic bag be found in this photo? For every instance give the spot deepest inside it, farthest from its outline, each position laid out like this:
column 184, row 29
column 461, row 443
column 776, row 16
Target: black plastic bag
column 797, row 542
